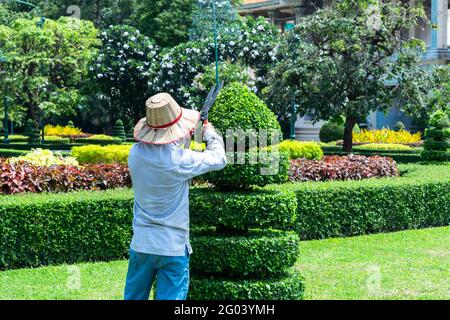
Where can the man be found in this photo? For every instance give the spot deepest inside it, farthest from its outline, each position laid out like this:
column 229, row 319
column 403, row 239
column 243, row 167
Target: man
column 160, row 169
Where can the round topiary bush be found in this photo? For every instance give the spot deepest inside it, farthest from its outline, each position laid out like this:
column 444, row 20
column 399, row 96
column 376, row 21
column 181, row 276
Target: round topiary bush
column 331, row 132
column 256, row 254
column 237, row 107
column 399, row 126
column 288, row 287
column 119, row 130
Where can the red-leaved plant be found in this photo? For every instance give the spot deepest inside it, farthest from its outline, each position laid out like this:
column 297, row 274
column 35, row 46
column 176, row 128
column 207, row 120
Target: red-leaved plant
column 24, row 177
column 342, row 168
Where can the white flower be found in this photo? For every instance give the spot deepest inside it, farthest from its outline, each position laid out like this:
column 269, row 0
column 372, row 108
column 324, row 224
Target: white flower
column 126, row 46
column 100, row 75
column 232, row 43
column 125, row 34
column 133, row 38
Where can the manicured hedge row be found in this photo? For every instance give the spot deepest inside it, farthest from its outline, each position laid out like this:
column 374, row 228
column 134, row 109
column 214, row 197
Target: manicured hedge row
column 398, row 157
column 243, row 210
column 64, row 228
column 360, row 149
column 259, row 254
column 101, row 142
column 338, row 209
column 290, row 287
column 86, row 226
column 50, row 146
column 9, row 153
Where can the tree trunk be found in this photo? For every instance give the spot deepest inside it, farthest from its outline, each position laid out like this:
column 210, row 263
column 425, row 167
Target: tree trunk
column 348, row 134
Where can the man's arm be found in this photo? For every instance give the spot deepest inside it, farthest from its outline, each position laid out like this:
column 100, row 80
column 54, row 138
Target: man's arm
column 212, row 159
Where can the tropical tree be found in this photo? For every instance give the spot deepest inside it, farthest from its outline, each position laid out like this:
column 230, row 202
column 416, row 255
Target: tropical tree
column 122, row 69
column 46, row 67
column 349, row 60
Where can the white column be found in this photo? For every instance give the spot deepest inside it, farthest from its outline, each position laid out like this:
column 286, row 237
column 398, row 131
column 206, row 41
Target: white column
column 412, row 30
column 439, row 18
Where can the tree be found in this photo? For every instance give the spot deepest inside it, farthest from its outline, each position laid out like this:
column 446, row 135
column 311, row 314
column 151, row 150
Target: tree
column 101, row 12
column 46, row 67
column 166, row 21
column 122, row 70
column 350, row 60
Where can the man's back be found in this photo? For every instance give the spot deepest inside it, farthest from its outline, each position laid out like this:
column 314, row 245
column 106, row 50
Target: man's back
column 160, row 175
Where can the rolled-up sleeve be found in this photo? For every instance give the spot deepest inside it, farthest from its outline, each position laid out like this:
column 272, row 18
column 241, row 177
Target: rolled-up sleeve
column 212, row 159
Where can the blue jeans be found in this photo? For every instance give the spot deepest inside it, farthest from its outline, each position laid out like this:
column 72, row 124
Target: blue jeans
column 172, row 276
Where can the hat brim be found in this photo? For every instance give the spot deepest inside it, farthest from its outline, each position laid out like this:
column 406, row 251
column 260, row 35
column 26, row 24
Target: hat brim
column 146, row 134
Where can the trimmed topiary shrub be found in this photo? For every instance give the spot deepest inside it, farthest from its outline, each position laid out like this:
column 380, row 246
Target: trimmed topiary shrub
column 32, row 132
column 399, row 126
column 436, row 143
column 256, row 254
column 262, row 209
column 230, row 251
column 288, row 287
column 270, row 168
column 331, row 132
column 237, row 107
column 119, row 130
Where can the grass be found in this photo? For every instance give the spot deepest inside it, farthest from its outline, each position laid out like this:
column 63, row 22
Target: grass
column 403, row 265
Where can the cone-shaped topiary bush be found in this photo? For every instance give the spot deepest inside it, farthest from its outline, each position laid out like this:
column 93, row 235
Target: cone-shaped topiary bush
column 437, row 137
column 31, row 131
column 242, row 246
column 119, row 130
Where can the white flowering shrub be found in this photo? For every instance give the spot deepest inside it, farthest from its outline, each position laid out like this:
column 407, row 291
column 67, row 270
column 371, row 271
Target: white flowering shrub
column 122, row 69
column 251, row 42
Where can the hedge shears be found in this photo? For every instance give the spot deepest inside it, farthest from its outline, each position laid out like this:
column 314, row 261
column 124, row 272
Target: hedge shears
column 209, row 102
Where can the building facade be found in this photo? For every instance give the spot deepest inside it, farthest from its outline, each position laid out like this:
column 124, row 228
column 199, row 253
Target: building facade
column 286, row 13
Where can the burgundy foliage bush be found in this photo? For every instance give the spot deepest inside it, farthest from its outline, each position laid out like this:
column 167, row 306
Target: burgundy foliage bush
column 342, row 168
column 24, row 177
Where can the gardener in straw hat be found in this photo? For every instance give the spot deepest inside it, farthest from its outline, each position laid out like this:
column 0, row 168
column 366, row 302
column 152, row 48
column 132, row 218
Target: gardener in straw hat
column 161, row 168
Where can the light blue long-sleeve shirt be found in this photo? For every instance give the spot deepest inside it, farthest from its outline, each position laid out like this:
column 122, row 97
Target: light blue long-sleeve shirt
column 160, row 175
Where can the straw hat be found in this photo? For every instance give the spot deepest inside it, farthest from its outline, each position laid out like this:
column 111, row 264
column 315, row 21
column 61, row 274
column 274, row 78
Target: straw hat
column 165, row 121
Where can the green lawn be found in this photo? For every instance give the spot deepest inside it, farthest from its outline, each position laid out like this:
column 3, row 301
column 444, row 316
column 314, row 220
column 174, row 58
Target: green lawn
column 402, row 265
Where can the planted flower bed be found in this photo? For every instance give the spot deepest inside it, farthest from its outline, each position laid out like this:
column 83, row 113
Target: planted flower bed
column 342, row 168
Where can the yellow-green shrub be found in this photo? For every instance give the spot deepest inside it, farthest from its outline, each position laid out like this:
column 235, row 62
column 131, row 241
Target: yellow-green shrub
column 385, row 146
column 50, row 130
column 386, row 136
column 101, row 154
column 45, row 158
column 300, row 149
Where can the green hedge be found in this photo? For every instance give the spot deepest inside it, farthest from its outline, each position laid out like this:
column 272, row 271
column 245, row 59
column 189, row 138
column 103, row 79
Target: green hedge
column 10, row 153
column 243, row 210
column 439, row 134
column 259, row 254
column 238, row 176
column 87, row 226
column 400, row 156
column 47, row 229
column 290, row 287
column 15, row 138
column 436, row 155
column 419, row 199
column 437, row 145
column 50, row 146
